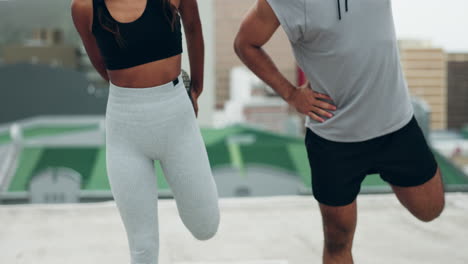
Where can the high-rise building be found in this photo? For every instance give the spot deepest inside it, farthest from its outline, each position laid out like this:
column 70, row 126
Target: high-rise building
column 457, row 64
column 425, row 70
column 229, row 15
column 253, row 102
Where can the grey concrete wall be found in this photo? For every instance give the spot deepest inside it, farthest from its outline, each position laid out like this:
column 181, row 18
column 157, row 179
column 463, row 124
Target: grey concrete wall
column 33, row 90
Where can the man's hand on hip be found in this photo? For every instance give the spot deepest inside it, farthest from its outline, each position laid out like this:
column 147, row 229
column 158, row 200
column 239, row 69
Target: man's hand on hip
column 310, row 103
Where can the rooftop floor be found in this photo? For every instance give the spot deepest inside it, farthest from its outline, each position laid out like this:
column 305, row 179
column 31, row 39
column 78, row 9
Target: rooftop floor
column 283, row 230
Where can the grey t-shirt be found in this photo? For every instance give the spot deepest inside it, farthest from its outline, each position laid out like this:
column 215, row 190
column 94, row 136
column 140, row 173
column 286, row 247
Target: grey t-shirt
column 354, row 60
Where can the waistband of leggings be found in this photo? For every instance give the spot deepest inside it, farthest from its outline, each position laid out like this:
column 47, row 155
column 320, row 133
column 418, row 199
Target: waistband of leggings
column 164, row 89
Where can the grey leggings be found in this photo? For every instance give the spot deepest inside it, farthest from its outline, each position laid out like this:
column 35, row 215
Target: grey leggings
column 157, row 123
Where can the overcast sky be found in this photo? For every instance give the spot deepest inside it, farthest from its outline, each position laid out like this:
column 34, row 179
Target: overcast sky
column 444, row 22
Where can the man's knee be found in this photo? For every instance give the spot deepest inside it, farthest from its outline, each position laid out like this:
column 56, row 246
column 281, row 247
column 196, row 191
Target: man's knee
column 431, row 213
column 335, row 246
column 427, row 201
column 339, row 224
column 338, row 238
column 431, row 209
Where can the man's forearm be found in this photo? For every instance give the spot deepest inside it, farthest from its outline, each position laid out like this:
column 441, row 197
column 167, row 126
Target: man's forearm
column 258, row 61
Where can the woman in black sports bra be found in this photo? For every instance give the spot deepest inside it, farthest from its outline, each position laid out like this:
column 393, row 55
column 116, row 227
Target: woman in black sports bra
column 136, row 45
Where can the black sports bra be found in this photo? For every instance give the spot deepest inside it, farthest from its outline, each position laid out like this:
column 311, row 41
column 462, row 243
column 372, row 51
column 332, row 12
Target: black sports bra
column 149, row 38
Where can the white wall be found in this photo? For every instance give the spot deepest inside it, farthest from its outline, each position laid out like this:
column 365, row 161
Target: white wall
column 207, row 100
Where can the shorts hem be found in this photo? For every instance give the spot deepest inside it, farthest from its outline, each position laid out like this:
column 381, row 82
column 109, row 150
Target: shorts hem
column 420, row 182
column 335, row 204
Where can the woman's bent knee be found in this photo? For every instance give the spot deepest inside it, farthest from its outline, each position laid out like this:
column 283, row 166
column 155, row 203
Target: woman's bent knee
column 203, row 224
column 205, row 233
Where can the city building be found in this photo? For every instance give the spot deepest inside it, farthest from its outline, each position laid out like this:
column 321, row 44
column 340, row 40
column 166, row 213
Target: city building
column 457, row 64
column 229, row 15
column 252, row 102
column 36, row 90
column 46, row 46
column 425, row 70
column 57, row 55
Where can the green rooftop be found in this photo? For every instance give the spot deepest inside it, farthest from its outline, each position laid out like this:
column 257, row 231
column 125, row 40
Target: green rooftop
column 46, row 131
column 236, row 146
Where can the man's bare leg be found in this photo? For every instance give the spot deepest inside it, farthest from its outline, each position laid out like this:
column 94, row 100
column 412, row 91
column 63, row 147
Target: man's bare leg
column 426, row 202
column 339, row 224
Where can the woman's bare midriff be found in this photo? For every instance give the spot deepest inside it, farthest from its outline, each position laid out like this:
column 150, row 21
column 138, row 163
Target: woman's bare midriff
column 147, row 75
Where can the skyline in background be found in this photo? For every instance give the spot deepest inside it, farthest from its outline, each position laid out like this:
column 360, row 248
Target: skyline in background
column 441, row 22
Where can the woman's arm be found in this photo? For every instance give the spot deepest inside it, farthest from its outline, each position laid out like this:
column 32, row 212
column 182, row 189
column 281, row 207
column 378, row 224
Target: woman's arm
column 82, row 14
column 196, row 48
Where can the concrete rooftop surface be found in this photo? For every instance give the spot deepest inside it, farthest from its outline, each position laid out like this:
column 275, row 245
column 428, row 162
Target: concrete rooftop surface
column 276, row 230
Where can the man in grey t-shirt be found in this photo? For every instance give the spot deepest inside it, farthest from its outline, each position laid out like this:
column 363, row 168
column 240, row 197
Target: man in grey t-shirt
column 359, row 115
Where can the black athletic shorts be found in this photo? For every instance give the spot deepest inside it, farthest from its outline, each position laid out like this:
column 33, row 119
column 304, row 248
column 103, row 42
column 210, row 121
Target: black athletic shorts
column 402, row 158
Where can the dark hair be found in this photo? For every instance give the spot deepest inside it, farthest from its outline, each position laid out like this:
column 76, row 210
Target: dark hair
column 108, row 24
column 170, row 8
